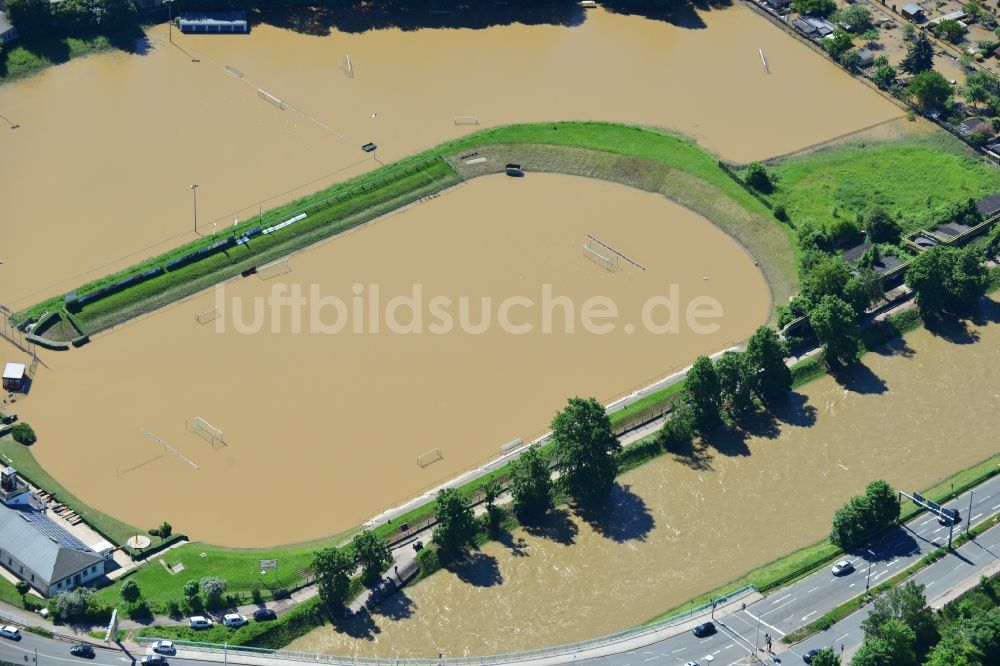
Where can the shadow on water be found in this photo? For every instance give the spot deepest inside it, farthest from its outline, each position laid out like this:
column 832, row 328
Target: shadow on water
column 478, row 569
column 729, row 440
column 679, row 13
column 623, row 517
column 794, row 409
column 360, row 625
column 988, row 312
column 556, row 526
column 953, row 329
column 895, row 347
column 518, row 547
column 859, row 378
column 397, row 606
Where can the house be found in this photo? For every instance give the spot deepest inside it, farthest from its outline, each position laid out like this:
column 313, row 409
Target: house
column 8, row 32
column 975, row 125
column 953, row 16
column 989, row 206
column 778, row 5
column 214, row 23
column 13, row 376
column 913, row 12
column 36, row 549
column 865, row 57
column 810, row 26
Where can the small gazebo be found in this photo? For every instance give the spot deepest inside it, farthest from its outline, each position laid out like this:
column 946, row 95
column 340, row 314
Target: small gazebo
column 13, row 376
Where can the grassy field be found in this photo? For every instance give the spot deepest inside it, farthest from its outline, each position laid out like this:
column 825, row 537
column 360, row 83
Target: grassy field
column 916, row 178
column 26, row 57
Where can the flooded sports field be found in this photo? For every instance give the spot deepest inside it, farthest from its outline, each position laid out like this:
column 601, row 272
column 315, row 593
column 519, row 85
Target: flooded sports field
column 689, row 523
column 107, row 146
column 331, row 375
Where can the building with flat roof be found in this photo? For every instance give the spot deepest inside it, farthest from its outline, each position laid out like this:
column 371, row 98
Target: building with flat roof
column 214, row 23
column 8, row 32
column 13, row 376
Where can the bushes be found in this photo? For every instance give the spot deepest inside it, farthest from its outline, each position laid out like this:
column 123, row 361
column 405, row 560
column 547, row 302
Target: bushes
column 163, row 531
column 79, row 605
column 23, row 434
column 757, row 177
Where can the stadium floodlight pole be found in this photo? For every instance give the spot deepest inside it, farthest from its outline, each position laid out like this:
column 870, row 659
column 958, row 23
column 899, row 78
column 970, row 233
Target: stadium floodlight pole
column 170, row 19
column 194, row 191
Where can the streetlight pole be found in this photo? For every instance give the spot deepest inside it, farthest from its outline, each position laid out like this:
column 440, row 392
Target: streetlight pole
column 170, row 19
column 968, row 518
column 194, row 192
column 868, row 579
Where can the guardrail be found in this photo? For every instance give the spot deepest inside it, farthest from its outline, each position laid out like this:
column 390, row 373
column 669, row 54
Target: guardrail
column 506, row 658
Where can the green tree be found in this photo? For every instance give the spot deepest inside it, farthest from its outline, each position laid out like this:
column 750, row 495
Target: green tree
column 880, row 227
column 907, row 604
column 951, row 30
column 118, row 17
column 332, row 569
column 863, row 290
column 947, row 279
column 585, row 449
column 836, row 327
column 757, row 177
column 983, row 632
column 827, row 277
column 993, row 241
column 679, row 427
column 494, row 514
column 22, row 588
column 530, row 485
column 191, row 589
column 966, row 212
column 814, row 7
column 371, row 553
column 930, row 89
column 884, row 502
column 703, row 393
column 736, row 383
column 954, row 650
column 884, row 76
column 456, row 527
column 857, row 18
column 869, row 36
column 23, row 434
column 214, row 589
column 31, row 17
column 975, row 93
column 766, row 352
column 919, row 55
column 838, row 43
column 130, row 591
column 826, row 657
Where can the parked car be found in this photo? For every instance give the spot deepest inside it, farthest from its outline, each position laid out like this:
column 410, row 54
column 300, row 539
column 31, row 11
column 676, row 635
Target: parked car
column 200, row 622
column 164, row 647
column 842, row 568
column 82, row 650
column 154, row 660
column 264, row 614
column 808, row 656
column 702, row 630
column 10, row 632
column 234, row 620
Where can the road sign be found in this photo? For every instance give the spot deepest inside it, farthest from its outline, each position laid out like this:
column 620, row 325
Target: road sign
column 268, row 564
column 918, row 498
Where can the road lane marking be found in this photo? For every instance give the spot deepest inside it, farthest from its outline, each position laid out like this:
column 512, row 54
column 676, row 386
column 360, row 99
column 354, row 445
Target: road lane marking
column 977, row 516
column 679, row 650
column 772, row 628
column 837, row 640
column 995, row 508
column 812, row 590
column 655, row 656
column 781, row 599
column 808, row 615
column 779, row 607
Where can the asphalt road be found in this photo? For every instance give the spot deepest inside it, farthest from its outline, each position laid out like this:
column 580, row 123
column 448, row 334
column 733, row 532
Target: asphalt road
column 742, row 632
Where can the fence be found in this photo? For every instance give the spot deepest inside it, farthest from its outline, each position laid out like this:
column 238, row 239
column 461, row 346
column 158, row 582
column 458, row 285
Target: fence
column 648, row 630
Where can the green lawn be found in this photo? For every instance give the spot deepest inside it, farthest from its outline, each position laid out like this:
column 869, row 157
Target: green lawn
column 917, row 178
column 25, row 57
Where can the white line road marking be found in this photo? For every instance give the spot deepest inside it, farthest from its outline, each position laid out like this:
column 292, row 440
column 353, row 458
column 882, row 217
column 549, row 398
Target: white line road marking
column 704, row 641
column 772, row 628
column 678, row 650
column 779, row 607
column 652, row 658
column 977, row 516
column 808, row 615
column 837, row 640
column 728, row 646
column 852, row 585
column 929, row 584
column 780, row 599
column 812, row 590
column 717, row 652
column 995, row 508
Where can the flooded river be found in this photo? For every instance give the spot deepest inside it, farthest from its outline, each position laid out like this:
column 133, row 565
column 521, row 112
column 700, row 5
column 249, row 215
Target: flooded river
column 337, row 418
column 108, row 145
column 687, row 524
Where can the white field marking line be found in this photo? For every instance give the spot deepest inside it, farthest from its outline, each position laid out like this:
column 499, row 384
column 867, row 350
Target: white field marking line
column 812, row 590
column 842, row 467
column 774, row 629
column 778, row 608
column 780, row 599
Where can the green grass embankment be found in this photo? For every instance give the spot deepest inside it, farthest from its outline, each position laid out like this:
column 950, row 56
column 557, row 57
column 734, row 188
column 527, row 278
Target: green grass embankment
column 28, row 56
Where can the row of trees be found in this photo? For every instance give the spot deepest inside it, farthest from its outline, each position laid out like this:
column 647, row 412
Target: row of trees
column 37, row 18
column 333, row 567
column 865, row 515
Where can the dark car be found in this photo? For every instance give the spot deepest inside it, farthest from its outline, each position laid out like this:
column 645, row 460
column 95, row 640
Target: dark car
column 264, row 614
column 702, row 630
column 956, row 517
column 808, row 656
column 82, row 650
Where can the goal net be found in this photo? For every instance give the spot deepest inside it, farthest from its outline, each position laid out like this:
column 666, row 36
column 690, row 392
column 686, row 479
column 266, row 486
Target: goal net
column 600, row 256
column 347, row 67
column 268, row 97
column 208, row 315
column 466, row 120
column 431, row 456
column 206, row 431
column 274, row 269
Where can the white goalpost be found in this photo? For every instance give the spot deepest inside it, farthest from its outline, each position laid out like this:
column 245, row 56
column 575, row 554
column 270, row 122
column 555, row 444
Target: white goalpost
column 208, row 315
column 206, row 431
column 430, row 457
column 466, row 120
column 274, row 269
column 606, row 260
column 268, row 97
column 347, row 67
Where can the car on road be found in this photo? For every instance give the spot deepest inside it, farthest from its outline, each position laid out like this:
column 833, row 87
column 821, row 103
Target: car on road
column 842, row 568
column 154, row 660
column 164, row 647
column 200, row 622
column 944, row 520
column 808, row 656
column 692, row 663
column 264, row 614
column 234, row 620
column 702, row 630
column 10, row 632
column 82, row 650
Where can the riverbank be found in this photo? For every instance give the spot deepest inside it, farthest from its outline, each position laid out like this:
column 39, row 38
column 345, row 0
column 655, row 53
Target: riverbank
column 28, row 56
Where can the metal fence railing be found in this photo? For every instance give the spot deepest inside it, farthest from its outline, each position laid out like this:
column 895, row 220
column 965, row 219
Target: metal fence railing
column 508, row 658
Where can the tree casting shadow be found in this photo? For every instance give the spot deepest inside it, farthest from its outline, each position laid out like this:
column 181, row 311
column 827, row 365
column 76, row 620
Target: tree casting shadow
column 859, row 378
column 682, row 14
column 478, row 569
column 623, row 517
column 794, row 409
column 556, row 525
column 517, row 547
column 953, row 329
column 360, row 625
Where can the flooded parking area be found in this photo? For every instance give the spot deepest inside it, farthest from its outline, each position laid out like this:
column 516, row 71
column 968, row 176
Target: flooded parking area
column 687, row 523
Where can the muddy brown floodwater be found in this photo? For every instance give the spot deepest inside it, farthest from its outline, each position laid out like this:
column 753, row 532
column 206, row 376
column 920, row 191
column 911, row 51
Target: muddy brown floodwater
column 685, row 525
column 339, row 419
column 108, row 145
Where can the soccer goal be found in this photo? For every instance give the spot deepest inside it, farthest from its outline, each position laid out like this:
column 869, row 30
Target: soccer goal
column 208, row 315
column 274, row 269
column 466, row 120
column 268, row 97
column 347, row 67
column 606, row 260
column 601, row 252
column 430, row 457
column 206, row 431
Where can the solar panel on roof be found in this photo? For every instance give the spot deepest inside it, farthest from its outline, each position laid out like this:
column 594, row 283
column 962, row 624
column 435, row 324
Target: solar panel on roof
column 48, row 528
